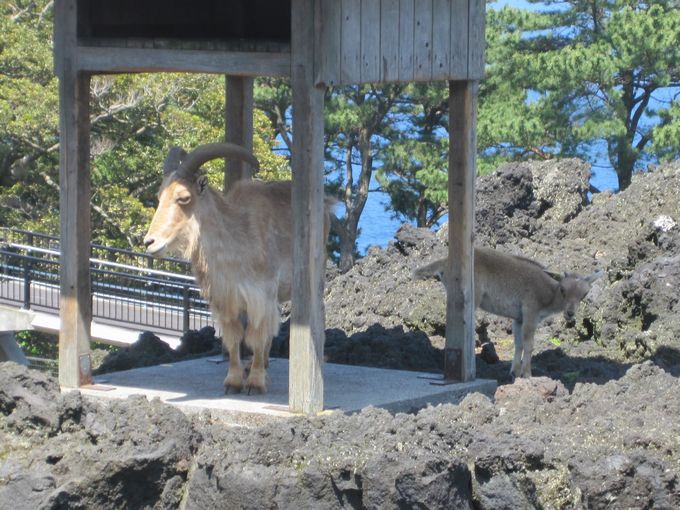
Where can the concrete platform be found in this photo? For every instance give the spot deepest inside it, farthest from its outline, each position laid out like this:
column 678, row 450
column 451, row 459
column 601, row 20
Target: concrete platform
column 196, row 386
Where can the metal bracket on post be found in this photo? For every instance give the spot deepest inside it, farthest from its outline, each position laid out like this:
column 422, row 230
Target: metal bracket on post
column 453, row 359
column 85, row 370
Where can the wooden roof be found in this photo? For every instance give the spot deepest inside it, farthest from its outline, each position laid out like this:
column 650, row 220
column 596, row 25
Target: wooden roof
column 357, row 41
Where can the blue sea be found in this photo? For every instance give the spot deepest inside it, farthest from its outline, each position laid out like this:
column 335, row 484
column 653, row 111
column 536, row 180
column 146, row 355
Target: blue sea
column 378, row 226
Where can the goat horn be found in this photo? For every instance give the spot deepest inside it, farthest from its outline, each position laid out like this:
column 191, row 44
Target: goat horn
column 173, row 159
column 203, row 153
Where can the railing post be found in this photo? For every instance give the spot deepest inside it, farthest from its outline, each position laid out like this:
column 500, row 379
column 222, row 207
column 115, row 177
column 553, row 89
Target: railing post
column 187, row 308
column 27, row 276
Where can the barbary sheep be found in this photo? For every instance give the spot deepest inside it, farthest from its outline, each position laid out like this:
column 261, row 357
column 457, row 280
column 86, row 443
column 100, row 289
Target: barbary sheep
column 520, row 289
column 240, row 249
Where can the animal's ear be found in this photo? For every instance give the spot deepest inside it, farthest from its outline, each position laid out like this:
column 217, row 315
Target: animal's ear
column 595, row 276
column 201, row 183
column 558, row 277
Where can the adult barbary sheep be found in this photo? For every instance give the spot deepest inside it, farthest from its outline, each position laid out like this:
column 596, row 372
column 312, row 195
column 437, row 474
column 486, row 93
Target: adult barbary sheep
column 239, row 246
column 520, row 289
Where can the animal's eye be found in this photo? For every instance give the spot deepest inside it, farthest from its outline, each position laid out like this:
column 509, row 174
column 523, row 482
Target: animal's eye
column 183, row 199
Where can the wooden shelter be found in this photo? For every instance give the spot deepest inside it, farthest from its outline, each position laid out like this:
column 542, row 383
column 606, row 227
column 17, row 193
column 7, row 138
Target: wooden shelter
column 317, row 44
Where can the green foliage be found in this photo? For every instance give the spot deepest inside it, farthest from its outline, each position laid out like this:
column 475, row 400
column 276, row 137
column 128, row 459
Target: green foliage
column 563, row 80
column 667, row 133
column 559, row 82
column 555, row 341
column 415, row 164
column 359, row 126
column 38, row 345
column 414, row 174
column 134, row 120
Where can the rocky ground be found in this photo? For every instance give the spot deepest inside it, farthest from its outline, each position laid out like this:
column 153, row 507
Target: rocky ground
column 598, row 427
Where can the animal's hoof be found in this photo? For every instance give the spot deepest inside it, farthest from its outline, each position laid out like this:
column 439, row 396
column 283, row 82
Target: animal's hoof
column 257, row 390
column 231, row 389
column 256, row 382
column 233, row 383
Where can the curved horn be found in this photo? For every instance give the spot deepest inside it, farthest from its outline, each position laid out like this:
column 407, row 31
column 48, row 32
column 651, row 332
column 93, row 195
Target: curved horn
column 203, row 153
column 173, row 159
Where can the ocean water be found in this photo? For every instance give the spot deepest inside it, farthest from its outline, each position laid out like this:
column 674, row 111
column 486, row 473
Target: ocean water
column 378, row 226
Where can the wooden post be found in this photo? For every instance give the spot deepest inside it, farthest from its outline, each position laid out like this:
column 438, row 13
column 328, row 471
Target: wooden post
column 238, row 127
column 309, row 252
column 459, row 362
column 74, row 176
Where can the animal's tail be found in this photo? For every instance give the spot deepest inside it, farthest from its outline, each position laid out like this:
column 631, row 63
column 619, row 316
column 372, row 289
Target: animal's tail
column 433, row 269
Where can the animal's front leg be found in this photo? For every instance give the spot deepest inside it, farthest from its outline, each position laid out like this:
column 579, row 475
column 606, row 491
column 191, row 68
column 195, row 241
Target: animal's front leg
column 259, row 339
column 517, row 358
column 257, row 377
column 528, row 330
column 232, row 334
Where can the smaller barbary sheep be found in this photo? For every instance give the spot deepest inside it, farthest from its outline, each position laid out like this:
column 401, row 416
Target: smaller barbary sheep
column 522, row 290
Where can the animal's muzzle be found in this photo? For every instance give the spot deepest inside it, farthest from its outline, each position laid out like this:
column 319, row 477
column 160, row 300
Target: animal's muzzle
column 151, row 246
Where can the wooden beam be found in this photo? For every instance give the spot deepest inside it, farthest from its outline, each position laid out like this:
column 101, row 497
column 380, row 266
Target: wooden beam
column 422, row 41
column 370, row 41
column 476, row 39
column 238, row 127
column 441, row 39
column 406, row 39
column 74, row 177
column 142, row 60
column 459, row 362
column 350, row 43
column 328, row 58
column 309, row 252
column 389, row 40
column 459, row 39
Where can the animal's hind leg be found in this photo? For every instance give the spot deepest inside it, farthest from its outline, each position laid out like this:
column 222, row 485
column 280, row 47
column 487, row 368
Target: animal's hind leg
column 259, row 339
column 517, row 358
column 232, row 334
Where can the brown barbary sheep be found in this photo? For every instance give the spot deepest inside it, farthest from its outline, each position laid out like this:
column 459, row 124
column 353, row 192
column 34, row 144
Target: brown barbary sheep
column 239, row 246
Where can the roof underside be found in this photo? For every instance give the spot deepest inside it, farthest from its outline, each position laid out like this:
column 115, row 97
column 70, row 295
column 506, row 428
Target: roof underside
column 355, row 41
column 198, row 19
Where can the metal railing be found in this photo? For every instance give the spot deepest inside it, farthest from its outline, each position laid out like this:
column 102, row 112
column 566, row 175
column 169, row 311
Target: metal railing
column 155, row 294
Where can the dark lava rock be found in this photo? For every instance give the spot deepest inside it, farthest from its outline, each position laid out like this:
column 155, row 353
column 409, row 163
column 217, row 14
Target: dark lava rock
column 539, row 210
column 146, row 351
column 150, row 350
column 614, row 442
column 331, row 462
column 61, row 451
column 202, row 341
column 598, row 428
column 27, row 398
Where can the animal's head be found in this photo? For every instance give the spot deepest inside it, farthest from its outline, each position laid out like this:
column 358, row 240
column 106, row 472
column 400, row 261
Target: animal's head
column 573, row 288
column 181, row 191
